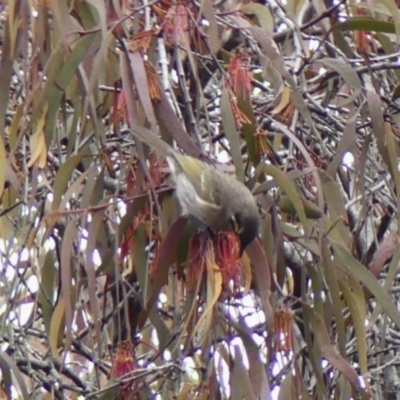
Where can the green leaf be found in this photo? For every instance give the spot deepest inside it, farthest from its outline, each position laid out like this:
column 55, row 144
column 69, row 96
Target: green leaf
column 68, row 279
column 7, row 365
column 110, row 394
column 62, row 178
column 331, row 280
column 364, row 23
column 165, row 256
column 213, row 31
column 3, row 166
column 60, row 76
column 288, row 187
column 358, row 314
column 394, row 13
column 46, row 291
column 249, row 130
column 348, row 73
column 330, row 352
column 262, row 14
column 228, row 121
column 359, row 271
column 389, row 49
column 239, row 378
column 311, row 210
column 335, row 203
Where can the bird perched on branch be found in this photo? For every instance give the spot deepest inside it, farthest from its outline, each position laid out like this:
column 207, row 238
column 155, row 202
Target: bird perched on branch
column 214, row 198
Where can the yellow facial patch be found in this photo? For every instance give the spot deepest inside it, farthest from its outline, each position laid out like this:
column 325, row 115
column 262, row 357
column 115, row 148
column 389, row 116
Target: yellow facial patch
column 235, row 226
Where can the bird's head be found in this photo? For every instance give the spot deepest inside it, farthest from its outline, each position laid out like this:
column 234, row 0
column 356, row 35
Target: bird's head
column 245, row 223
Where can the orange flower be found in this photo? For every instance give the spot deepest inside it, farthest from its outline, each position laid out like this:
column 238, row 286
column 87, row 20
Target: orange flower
column 362, row 38
column 238, row 70
column 176, row 25
column 283, row 330
column 239, row 116
column 229, row 260
column 152, row 79
column 120, row 111
column 124, row 362
column 141, row 41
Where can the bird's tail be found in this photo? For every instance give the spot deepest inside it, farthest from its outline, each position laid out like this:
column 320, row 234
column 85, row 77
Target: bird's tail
column 152, row 140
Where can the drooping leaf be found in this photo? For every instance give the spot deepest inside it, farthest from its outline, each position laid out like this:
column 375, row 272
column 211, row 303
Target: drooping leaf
column 9, row 369
column 231, row 134
column 365, row 23
column 358, row 271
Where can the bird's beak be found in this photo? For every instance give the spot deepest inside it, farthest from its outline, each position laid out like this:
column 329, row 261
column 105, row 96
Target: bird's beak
column 238, row 230
column 235, row 226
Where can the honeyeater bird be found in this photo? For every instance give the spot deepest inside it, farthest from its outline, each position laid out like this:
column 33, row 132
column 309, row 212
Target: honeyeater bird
column 214, row 198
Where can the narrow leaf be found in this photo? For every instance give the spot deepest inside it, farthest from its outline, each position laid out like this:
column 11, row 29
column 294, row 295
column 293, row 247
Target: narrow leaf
column 213, row 33
column 3, row 166
column 359, row 271
column 228, row 121
column 7, row 365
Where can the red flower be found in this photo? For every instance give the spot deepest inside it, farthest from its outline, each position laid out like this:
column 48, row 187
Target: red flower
column 124, row 362
column 238, row 70
column 229, row 259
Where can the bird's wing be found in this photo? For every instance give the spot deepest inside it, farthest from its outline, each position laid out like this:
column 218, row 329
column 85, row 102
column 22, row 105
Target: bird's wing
column 192, row 168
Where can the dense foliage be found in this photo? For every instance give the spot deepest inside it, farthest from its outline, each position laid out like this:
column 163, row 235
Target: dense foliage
column 105, row 292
